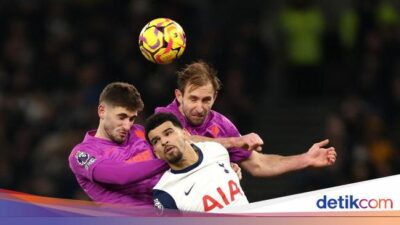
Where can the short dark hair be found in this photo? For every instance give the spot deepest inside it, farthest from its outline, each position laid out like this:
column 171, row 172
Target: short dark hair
column 198, row 74
column 123, row 95
column 157, row 119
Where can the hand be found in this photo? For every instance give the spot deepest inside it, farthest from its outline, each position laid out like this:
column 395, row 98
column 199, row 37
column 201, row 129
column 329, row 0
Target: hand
column 320, row 156
column 237, row 170
column 251, row 142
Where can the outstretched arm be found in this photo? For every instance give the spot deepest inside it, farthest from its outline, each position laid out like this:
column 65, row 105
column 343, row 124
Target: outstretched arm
column 250, row 141
column 266, row 165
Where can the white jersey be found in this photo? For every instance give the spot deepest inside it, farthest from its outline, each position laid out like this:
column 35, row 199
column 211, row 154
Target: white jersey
column 206, row 186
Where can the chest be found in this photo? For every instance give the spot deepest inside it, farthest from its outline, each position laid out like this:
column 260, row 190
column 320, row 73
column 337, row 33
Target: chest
column 212, row 186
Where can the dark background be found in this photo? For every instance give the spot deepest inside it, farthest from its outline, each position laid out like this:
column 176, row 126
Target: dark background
column 295, row 72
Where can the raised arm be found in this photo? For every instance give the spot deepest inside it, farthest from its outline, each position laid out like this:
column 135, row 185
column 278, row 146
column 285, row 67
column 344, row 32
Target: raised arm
column 266, row 165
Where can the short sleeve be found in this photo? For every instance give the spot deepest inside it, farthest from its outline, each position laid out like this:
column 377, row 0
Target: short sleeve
column 163, row 200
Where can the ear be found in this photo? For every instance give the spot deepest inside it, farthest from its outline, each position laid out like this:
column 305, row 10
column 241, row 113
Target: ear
column 101, row 110
column 215, row 95
column 178, row 96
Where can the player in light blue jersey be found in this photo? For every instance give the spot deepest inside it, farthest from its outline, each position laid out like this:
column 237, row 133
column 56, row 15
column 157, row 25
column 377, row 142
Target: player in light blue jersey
column 200, row 178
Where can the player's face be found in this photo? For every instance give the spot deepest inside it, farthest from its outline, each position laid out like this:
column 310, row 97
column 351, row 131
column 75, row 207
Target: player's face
column 117, row 121
column 196, row 102
column 168, row 142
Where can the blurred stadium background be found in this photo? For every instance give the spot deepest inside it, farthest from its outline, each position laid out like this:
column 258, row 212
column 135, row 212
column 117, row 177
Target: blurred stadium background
column 293, row 71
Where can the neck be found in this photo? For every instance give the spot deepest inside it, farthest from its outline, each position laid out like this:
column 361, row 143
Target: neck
column 189, row 158
column 180, row 109
column 100, row 133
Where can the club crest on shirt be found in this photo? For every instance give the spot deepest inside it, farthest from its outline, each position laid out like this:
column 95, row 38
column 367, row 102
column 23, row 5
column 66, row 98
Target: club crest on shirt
column 84, row 159
column 215, row 131
column 221, row 164
column 158, row 206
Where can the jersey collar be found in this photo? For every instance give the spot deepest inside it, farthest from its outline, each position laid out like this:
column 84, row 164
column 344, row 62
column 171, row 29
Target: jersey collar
column 191, row 167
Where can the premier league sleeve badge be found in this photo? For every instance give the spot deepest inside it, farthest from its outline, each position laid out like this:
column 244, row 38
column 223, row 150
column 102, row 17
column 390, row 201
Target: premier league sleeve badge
column 84, row 159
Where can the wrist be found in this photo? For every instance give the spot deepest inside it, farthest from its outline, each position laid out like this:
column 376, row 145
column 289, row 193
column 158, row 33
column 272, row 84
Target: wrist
column 229, row 142
column 306, row 159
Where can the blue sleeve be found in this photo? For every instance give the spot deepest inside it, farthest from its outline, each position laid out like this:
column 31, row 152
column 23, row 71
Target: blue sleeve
column 163, row 200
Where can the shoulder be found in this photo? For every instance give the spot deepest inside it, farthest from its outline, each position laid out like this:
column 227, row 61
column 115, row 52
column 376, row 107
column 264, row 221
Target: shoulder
column 221, row 126
column 171, row 108
column 85, row 153
column 82, row 149
column 220, row 118
column 165, row 180
column 137, row 127
column 209, row 144
column 173, row 111
column 82, row 158
column 137, row 131
column 211, row 147
column 89, row 143
column 163, row 200
column 162, row 109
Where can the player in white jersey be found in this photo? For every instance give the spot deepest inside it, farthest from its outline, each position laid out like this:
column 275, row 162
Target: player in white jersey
column 200, row 178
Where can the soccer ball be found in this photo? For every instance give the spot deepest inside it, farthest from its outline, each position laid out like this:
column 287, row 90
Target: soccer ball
column 162, row 41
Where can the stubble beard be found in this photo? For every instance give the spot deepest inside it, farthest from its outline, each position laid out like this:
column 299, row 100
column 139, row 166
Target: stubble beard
column 176, row 158
column 113, row 138
column 194, row 122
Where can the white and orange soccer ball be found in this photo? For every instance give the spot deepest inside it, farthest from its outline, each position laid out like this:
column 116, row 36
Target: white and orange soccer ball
column 162, row 41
